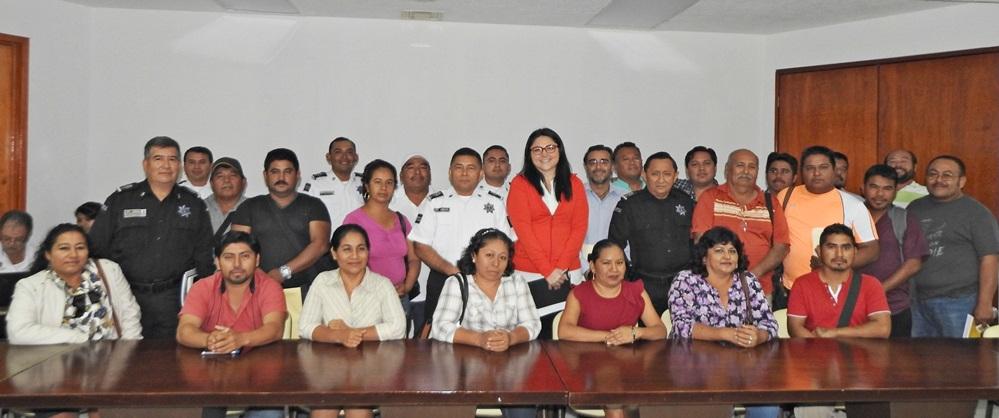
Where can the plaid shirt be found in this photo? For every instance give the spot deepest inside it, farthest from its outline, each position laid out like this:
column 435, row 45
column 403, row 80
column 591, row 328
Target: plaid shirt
column 512, row 308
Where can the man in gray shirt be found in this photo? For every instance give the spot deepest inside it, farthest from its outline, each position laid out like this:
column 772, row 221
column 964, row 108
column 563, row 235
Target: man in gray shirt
column 959, row 278
column 228, row 184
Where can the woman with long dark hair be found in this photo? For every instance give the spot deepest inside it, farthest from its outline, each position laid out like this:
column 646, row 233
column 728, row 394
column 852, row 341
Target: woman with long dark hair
column 548, row 210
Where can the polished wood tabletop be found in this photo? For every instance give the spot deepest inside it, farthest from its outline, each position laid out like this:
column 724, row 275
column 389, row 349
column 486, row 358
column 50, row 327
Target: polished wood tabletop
column 794, row 370
column 15, row 359
column 161, row 373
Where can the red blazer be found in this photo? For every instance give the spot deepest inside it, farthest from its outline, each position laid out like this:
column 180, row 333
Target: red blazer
column 545, row 241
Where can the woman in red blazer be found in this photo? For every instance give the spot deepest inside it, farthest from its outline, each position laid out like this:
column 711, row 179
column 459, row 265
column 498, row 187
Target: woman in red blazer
column 548, row 210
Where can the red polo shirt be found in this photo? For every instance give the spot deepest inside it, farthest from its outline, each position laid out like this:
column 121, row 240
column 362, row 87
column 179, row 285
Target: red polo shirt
column 207, row 300
column 751, row 222
column 811, row 299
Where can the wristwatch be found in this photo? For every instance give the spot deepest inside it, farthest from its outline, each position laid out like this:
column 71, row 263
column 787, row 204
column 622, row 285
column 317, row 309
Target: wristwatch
column 285, row 272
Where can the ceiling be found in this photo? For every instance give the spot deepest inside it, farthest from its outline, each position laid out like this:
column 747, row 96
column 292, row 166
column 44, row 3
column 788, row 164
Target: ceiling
column 731, row 16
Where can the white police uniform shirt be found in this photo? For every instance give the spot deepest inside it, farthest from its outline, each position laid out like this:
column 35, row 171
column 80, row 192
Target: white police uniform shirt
column 340, row 197
column 6, row 266
column 503, row 191
column 401, row 203
column 447, row 221
column 202, row 191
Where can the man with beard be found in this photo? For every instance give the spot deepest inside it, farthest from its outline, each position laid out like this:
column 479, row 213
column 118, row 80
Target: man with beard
column 904, row 163
column 340, row 187
column 903, row 246
column 293, row 228
column 782, row 171
column 601, row 197
column 959, row 277
column 819, row 302
column 741, row 206
column 237, row 307
column 228, row 184
column 628, row 166
column 495, row 170
column 655, row 222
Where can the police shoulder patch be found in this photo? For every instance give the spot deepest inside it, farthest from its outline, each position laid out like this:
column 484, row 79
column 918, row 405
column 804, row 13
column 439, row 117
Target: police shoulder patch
column 307, row 187
column 128, row 186
column 319, row 175
column 419, row 217
column 436, row 195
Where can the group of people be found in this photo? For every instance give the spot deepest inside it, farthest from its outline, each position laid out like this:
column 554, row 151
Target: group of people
column 490, row 262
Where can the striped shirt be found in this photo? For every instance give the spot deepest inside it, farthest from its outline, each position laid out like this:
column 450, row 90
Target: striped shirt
column 372, row 303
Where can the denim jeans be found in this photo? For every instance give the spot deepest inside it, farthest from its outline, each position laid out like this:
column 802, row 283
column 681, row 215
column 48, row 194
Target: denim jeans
column 942, row 316
column 763, row 411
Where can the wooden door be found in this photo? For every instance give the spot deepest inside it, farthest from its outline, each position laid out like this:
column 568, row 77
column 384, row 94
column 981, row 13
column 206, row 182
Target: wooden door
column 946, row 106
column 837, row 108
column 13, row 121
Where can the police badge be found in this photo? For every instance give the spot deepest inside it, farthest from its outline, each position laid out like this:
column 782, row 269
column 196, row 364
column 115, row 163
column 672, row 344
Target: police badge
column 184, row 211
column 680, row 210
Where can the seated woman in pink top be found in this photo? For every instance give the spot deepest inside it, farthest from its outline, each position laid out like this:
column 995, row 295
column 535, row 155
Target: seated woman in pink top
column 607, row 308
column 391, row 253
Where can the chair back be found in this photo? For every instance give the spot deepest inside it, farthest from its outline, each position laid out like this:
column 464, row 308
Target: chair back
column 781, row 316
column 667, row 321
column 555, row 321
column 293, row 301
column 991, row 332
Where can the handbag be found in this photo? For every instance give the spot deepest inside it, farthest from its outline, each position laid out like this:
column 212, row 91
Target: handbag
column 107, row 289
column 463, row 287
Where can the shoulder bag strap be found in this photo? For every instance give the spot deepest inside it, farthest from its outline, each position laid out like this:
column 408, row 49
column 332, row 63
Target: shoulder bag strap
column 787, row 197
column 402, row 227
column 107, row 289
column 851, row 301
column 222, row 228
column 746, row 319
column 463, row 285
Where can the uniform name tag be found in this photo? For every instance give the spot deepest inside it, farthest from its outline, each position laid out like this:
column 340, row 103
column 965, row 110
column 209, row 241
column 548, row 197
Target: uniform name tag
column 442, row 209
column 326, row 193
column 134, row 213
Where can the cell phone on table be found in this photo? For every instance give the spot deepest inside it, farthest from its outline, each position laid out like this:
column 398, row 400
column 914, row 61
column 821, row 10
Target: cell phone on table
column 233, row 353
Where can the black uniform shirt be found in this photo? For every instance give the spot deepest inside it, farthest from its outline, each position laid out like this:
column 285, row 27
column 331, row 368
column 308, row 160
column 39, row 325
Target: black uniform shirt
column 658, row 231
column 154, row 240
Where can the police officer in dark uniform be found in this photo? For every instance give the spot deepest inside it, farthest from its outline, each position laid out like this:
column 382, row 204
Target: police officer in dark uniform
column 156, row 230
column 655, row 221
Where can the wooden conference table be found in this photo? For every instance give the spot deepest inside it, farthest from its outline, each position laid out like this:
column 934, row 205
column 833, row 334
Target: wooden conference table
column 431, row 379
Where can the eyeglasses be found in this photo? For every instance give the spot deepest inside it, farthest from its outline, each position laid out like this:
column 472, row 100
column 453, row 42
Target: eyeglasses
column 946, row 177
column 601, row 161
column 550, row 148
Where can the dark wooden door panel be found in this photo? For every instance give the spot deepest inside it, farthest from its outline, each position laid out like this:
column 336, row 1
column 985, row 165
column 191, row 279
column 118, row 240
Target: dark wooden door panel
column 946, row 106
column 13, row 121
column 837, row 108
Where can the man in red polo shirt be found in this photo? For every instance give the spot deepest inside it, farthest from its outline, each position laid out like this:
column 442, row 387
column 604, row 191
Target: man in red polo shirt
column 819, row 298
column 740, row 205
column 237, row 306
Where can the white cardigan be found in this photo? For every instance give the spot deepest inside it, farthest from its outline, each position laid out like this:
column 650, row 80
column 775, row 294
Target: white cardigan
column 36, row 310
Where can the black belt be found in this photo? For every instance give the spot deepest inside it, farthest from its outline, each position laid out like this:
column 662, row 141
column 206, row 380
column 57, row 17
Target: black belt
column 154, row 287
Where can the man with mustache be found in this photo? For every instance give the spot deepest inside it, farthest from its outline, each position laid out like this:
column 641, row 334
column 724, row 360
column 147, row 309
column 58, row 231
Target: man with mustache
column 904, row 163
column 156, row 230
column 228, row 184
column 408, row 199
column 340, row 187
column 959, row 277
column 495, row 170
column 903, row 247
column 628, row 166
column 741, row 206
column 601, row 197
column 293, row 228
column 15, row 231
column 237, row 307
column 782, row 171
column 197, row 162
column 819, row 301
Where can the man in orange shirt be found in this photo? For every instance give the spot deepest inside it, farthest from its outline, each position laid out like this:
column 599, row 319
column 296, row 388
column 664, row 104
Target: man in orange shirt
column 741, row 206
column 817, row 204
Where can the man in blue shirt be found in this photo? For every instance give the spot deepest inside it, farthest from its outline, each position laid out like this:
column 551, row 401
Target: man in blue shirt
column 601, row 197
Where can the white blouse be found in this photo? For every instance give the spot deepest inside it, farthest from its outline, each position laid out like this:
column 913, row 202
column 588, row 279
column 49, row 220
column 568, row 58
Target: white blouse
column 373, row 303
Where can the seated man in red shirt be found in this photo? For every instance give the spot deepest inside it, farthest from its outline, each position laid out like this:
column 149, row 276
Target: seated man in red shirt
column 834, row 301
column 237, row 307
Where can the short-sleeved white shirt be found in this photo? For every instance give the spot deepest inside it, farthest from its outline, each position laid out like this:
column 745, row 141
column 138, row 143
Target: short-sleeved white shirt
column 340, row 197
column 447, row 221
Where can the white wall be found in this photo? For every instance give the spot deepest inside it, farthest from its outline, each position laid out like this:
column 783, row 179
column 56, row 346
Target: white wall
column 245, row 84
column 964, row 26
column 58, row 104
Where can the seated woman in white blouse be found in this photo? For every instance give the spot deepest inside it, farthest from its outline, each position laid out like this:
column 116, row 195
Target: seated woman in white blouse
column 351, row 304
column 500, row 311
column 71, row 298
